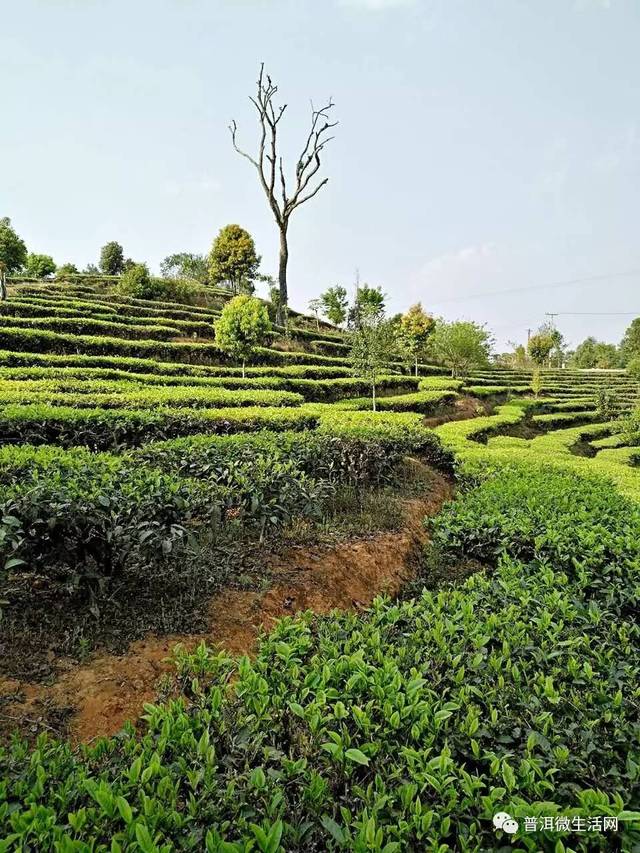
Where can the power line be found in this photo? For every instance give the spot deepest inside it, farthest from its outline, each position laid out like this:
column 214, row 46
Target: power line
column 596, row 314
column 566, row 283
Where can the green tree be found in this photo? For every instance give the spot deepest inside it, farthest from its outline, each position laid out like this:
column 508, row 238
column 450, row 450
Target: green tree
column 630, row 344
column 372, row 344
column 539, row 347
column 536, row 382
column 461, row 345
column 315, row 306
column 585, row 355
column 233, row 261
column 13, row 253
column 137, row 282
column 334, row 304
column 368, row 300
column 66, row 269
column 243, row 325
column 416, row 326
column 596, row 354
column 39, row 266
column 186, row 265
column 112, row 258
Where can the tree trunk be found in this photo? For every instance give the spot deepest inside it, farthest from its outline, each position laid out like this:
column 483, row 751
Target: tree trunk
column 416, row 365
column 3, row 286
column 374, row 396
column 243, row 363
column 282, row 277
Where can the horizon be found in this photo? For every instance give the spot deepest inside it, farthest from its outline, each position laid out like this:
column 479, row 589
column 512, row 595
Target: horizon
column 497, row 183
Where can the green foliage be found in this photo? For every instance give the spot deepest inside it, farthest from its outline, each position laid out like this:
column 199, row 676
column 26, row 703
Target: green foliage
column 106, row 429
column 536, row 382
column 334, row 304
column 136, row 281
column 112, row 258
column 630, row 344
column 13, row 251
column 186, row 265
column 233, row 260
column 416, row 326
column 461, row 345
column 606, row 404
column 633, row 367
column 39, row 266
column 66, row 270
column 540, row 347
column 359, row 733
column 425, row 402
column 243, row 325
column 595, row 354
column 372, row 343
column 369, row 302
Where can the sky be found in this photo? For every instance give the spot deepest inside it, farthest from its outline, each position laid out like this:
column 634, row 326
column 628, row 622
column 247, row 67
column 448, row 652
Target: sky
column 482, row 147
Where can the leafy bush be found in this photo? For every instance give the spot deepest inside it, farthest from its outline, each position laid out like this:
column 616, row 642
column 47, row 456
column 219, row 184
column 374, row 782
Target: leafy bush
column 425, row 402
column 80, row 517
column 104, row 429
column 405, row 729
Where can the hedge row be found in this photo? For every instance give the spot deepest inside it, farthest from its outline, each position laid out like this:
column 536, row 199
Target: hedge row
column 93, row 326
column 112, row 395
column 71, row 513
column 425, row 402
column 53, row 342
column 406, row 728
column 106, row 429
column 21, row 312
column 33, row 360
column 103, row 306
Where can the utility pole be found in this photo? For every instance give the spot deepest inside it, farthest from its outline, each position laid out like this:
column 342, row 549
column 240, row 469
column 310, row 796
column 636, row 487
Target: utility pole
column 528, row 336
column 552, row 316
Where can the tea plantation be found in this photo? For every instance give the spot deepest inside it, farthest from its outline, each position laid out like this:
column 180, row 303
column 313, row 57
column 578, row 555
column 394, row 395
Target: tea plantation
column 504, row 678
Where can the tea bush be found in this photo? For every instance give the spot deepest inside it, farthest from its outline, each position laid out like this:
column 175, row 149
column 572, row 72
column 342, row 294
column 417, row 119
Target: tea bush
column 104, row 429
column 407, row 728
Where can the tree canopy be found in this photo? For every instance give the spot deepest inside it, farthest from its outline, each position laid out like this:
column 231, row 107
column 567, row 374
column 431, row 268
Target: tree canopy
column 372, row 344
column 630, row 344
column 13, row 251
column 334, row 304
column 39, row 266
column 461, row 345
column 242, row 326
column 592, row 353
column 112, row 258
column 415, row 328
column 186, row 265
column 233, row 261
column 540, row 346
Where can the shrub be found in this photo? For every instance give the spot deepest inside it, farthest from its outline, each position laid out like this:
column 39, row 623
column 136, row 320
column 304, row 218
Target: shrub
column 39, row 266
column 407, row 728
column 137, row 282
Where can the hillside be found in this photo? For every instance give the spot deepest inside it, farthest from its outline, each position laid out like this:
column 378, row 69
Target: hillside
column 152, row 495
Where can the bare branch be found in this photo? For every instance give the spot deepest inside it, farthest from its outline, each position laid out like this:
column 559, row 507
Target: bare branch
column 269, row 164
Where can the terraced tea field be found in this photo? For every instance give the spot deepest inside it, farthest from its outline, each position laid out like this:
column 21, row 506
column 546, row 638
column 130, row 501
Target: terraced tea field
column 152, row 496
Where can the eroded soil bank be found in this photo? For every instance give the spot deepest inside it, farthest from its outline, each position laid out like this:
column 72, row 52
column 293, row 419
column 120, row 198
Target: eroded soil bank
column 97, row 697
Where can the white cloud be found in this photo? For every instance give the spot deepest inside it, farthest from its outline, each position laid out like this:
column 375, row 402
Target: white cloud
column 456, row 275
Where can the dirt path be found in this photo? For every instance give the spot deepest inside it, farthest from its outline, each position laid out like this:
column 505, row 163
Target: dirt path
column 97, row 697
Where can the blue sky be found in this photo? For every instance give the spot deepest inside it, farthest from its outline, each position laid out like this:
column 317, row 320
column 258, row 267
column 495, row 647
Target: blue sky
column 483, row 145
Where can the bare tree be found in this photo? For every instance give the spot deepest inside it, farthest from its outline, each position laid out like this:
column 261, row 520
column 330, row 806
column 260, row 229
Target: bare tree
column 268, row 163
